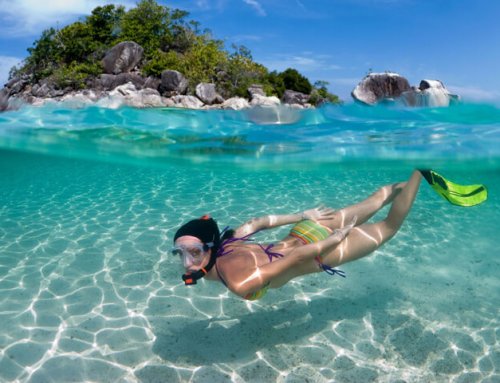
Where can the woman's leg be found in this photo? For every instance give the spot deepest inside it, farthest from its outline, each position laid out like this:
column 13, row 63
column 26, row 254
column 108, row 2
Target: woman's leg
column 363, row 239
column 366, row 238
column 364, row 210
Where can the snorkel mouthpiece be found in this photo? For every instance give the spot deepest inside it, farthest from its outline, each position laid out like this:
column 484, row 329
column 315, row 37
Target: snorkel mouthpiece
column 192, row 278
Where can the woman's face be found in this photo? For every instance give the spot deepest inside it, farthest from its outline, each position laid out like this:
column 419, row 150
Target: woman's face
column 192, row 252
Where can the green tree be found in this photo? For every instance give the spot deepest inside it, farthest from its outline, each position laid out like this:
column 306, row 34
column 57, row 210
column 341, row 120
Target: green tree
column 202, row 60
column 104, row 23
column 160, row 61
column 153, row 26
column 293, row 80
column 43, row 55
column 199, row 64
column 320, row 94
column 276, row 83
column 76, row 42
column 183, row 34
column 147, row 25
column 238, row 72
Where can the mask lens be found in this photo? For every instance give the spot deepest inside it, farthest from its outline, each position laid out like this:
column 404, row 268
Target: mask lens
column 195, row 253
column 177, row 252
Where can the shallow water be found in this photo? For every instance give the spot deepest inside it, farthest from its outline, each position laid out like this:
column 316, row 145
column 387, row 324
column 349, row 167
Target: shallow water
column 90, row 199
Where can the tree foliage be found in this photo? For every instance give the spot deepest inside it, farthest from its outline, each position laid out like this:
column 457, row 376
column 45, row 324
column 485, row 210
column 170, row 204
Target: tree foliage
column 293, row 80
column 199, row 63
column 148, row 25
column 41, row 61
column 75, row 74
column 320, row 94
column 238, row 72
column 104, row 23
column 76, row 43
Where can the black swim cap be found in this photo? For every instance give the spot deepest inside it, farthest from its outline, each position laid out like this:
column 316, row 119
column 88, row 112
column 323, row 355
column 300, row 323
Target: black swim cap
column 204, row 228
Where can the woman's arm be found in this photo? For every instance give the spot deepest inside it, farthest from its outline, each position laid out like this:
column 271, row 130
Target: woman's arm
column 270, row 221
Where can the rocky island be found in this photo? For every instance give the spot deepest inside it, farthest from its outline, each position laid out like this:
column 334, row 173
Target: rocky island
column 150, row 56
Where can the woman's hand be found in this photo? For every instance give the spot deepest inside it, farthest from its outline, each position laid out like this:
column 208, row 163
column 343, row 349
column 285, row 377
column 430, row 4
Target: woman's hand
column 342, row 232
column 319, row 213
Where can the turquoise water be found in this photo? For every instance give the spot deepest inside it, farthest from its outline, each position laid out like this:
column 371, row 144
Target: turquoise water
column 90, row 199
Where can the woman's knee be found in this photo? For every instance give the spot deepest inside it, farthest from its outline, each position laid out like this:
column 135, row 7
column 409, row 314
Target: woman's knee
column 387, row 193
column 389, row 228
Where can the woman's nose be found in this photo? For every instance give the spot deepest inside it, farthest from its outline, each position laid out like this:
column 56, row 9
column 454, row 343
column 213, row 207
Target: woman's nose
column 187, row 261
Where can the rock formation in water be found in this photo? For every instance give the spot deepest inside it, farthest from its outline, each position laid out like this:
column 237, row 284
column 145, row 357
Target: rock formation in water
column 376, row 87
column 391, row 87
column 429, row 93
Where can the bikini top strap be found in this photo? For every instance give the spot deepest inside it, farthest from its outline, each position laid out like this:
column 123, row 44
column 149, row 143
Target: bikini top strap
column 221, row 252
column 270, row 254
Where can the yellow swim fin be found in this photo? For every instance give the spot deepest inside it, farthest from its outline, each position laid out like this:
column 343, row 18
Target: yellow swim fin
column 461, row 195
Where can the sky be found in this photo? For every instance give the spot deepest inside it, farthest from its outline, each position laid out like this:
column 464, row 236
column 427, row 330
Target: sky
column 338, row 41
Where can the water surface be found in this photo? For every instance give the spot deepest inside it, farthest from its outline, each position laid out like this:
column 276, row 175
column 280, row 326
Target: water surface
column 90, row 199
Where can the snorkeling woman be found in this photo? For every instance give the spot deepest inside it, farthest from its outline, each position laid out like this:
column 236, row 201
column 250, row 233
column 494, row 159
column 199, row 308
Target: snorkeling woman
column 321, row 239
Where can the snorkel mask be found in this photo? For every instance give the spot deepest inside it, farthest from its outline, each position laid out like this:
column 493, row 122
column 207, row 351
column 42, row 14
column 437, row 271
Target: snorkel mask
column 207, row 231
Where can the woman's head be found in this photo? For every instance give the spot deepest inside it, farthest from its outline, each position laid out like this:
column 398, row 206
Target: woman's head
column 197, row 242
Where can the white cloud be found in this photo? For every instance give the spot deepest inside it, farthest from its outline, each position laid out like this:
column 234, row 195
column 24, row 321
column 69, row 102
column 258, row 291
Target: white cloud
column 30, row 17
column 256, row 5
column 306, row 61
column 6, row 63
column 241, row 38
column 300, row 4
column 202, row 4
column 474, row 94
column 206, row 5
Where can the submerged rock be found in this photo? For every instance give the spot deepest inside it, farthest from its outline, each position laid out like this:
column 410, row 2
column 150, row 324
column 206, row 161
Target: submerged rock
column 276, row 114
column 122, row 58
column 376, row 87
